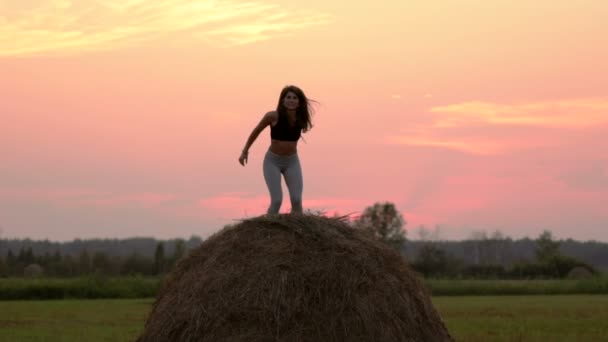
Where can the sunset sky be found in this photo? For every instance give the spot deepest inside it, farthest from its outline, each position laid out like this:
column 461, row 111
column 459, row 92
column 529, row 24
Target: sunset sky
column 126, row 118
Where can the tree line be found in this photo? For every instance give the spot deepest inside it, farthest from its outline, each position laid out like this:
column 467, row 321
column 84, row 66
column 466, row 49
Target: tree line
column 483, row 256
column 26, row 263
column 491, row 256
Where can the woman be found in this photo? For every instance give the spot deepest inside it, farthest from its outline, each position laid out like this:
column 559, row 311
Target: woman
column 292, row 117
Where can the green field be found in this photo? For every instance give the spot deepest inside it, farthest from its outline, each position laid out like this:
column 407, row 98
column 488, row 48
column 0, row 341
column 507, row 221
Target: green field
column 469, row 318
column 99, row 287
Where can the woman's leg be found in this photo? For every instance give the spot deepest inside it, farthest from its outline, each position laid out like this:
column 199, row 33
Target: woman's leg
column 272, row 176
column 295, row 184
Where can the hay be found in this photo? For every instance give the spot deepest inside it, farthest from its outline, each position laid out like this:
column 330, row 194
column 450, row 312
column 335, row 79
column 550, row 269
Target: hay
column 579, row 272
column 33, row 271
column 293, row 278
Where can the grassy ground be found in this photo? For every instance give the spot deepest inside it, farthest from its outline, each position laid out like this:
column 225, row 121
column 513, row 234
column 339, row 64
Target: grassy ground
column 478, row 318
column 73, row 320
column 526, row 318
column 97, row 287
column 479, row 287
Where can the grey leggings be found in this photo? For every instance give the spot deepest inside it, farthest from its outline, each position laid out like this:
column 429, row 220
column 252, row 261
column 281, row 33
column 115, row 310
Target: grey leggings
column 289, row 166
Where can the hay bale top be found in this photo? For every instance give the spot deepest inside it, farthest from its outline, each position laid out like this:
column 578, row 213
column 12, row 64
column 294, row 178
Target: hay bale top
column 293, row 277
column 580, row 272
column 33, row 270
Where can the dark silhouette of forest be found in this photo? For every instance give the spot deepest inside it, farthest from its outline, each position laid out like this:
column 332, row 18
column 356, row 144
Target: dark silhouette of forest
column 482, row 257
column 485, row 256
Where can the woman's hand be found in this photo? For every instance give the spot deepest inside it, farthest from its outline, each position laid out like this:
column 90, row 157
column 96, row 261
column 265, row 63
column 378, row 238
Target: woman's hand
column 243, row 158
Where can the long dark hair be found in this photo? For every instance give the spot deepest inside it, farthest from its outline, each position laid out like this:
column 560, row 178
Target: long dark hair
column 304, row 111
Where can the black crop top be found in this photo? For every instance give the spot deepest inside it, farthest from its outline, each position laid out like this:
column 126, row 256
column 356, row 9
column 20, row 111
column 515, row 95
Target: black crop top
column 284, row 131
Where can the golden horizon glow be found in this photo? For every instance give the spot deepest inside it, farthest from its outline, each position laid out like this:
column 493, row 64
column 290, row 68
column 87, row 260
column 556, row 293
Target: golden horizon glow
column 70, row 27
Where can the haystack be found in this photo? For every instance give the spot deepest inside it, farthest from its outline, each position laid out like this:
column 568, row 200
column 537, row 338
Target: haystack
column 33, row 271
column 293, row 278
column 579, row 272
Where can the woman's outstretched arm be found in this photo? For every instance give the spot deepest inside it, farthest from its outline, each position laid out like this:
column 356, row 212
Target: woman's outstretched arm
column 267, row 120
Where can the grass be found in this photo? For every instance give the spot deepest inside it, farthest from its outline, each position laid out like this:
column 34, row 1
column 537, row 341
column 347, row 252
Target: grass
column 469, row 318
column 481, row 287
column 73, row 320
column 525, row 318
column 94, row 287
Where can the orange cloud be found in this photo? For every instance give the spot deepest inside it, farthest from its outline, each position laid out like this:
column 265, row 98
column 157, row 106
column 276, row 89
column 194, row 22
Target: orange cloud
column 566, row 113
column 63, row 26
column 468, row 126
column 482, row 147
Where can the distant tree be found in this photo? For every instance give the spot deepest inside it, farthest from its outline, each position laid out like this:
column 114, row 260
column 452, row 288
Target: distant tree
column 101, row 263
column 54, row 266
column 84, row 262
column 546, row 247
column 57, row 256
column 194, row 241
column 69, row 267
column 424, row 233
column 428, row 234
column 431, row 260
column 26, row 255
column 178, row 252
column 384, row 222
column 137, row 264
column 159, row 258
column 501, row 245
column 488, row 249
column 10, row 262
column 3, row 267
column 44, row 260
column 484, row 271
column 480, row 248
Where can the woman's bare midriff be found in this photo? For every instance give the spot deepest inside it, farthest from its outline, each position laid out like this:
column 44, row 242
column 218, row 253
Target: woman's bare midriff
column 283, row 148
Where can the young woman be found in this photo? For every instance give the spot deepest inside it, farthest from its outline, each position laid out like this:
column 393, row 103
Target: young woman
column 287, row 122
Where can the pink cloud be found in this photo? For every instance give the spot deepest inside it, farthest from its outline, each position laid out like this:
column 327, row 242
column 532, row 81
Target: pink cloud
column 485, row 128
